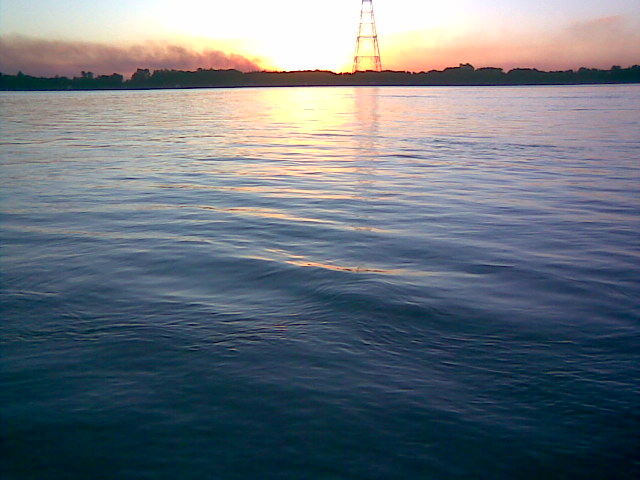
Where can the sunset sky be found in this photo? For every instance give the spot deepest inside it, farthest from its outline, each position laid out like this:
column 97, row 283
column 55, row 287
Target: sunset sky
column 48, row 37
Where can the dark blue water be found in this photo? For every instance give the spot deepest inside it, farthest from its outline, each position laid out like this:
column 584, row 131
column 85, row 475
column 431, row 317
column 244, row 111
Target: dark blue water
column 322, row 283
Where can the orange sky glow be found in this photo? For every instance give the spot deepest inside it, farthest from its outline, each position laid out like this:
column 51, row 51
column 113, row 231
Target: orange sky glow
column 119, row 36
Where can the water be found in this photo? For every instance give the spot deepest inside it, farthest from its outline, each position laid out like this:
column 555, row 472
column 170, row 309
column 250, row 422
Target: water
column 325, row 283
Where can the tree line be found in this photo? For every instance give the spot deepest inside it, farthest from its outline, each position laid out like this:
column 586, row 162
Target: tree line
column 465, row 74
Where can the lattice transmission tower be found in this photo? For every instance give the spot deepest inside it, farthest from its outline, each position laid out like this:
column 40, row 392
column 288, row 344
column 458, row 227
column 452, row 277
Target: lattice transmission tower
column 367, row 55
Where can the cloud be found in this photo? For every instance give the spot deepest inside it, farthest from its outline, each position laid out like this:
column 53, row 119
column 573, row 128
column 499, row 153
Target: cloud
column 56, row 57
column 597, row 43
column 603, row 28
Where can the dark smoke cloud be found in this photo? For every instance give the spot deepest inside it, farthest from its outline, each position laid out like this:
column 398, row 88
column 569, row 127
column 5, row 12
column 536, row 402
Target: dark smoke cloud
column 55, row 57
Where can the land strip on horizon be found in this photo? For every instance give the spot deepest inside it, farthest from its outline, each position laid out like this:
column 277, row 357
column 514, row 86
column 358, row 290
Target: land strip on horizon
column 465, row 74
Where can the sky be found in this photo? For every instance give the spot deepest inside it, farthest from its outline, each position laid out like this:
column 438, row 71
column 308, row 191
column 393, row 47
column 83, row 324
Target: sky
column 63, row 37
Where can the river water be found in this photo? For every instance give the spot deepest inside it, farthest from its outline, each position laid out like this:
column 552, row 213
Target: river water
column 321, row 283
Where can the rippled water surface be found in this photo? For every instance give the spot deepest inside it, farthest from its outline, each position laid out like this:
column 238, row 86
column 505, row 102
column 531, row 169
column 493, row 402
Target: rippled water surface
column 322, row 283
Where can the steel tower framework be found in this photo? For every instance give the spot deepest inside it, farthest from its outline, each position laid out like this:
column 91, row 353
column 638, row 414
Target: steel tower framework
column 367, row 56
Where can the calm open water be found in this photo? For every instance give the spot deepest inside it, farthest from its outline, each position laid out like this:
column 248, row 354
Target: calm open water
column 321, row 283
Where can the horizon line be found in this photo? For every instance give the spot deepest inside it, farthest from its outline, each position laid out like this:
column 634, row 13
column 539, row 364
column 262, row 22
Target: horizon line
column 319, row 70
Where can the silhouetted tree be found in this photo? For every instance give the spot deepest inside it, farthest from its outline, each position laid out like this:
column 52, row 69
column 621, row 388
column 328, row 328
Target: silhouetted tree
column 141, row 76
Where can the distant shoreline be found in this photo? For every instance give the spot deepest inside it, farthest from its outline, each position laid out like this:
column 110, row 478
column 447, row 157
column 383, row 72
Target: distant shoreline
column 463, row 75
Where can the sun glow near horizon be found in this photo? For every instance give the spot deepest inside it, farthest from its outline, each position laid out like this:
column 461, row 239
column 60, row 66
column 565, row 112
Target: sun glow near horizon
column 297, row 38
column 279, row 38
column 284, row 36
